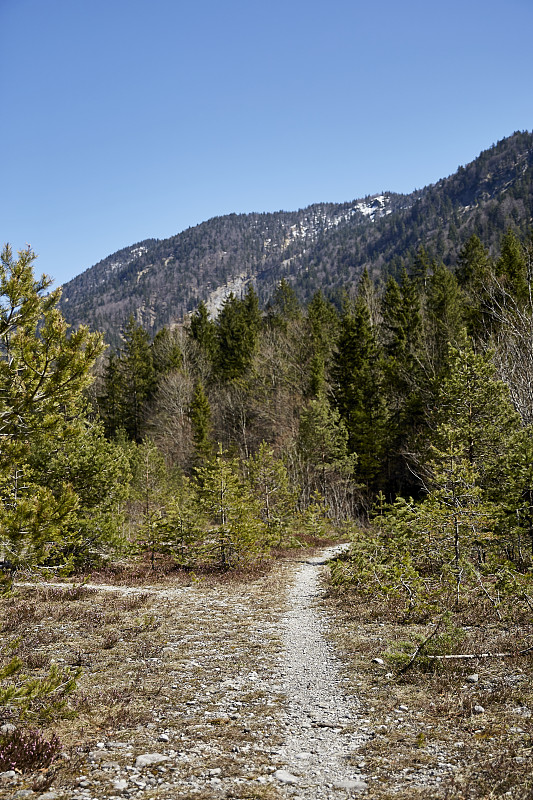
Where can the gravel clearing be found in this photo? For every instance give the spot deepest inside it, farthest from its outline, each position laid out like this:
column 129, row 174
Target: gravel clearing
column 258, row 687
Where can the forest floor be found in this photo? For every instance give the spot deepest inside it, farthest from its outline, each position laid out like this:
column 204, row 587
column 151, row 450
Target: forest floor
column 257, row 686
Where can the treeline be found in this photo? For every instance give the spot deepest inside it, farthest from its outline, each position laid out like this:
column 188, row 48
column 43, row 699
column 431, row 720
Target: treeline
column 218, row 440
column 352, row 401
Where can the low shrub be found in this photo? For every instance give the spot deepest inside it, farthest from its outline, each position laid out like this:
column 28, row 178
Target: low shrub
column 27, row 750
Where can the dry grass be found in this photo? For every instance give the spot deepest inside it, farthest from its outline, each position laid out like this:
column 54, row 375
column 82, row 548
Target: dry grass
column 438, row 746
column 192, row 656
column 183, row 655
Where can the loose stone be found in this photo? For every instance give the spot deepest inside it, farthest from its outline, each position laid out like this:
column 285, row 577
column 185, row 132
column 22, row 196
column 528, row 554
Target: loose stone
column 149, row 759
column 351, row 786
column 283, row 776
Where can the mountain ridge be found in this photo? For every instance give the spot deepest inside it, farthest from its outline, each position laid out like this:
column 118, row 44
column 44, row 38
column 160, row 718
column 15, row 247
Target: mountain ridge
column 323, row 246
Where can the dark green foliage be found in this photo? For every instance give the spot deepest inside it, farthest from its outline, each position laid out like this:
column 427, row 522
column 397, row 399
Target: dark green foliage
column 200, row 416
column 138, row 378
column 358, row 390
column 203, row 331
column 284, row 304
column 512, row 269
column 445, row 316
column 404, row 376
column 237, row 330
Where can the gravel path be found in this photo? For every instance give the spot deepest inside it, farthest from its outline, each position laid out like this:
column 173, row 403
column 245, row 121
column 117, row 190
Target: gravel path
column 322, row 736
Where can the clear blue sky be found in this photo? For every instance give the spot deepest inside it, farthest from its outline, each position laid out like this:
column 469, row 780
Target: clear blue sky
column 129, row 119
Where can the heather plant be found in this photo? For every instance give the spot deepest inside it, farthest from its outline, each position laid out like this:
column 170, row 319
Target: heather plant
column 27, row 750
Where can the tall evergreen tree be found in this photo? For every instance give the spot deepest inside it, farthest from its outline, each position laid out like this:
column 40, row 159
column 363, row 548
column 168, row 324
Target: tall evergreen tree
column 512, row 269
column 473, row 410
column 138, row 377
column 357, row 387
column 200, row 416
column 445, row 321
column 203, row 331
column 475, row 277
column 237, row 331
column 405, row 380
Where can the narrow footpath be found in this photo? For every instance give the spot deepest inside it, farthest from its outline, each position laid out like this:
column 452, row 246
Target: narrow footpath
column 321, row 730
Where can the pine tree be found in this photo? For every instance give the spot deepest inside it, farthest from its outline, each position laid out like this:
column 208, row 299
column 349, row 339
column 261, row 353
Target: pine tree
column 181, row 531
column 203, row 331
column 284, row 305
column 98, row 473
column 474, row 410
column 445, row 319
column 357, row 388
column 270, row 484
column 150, row 492
column 237, row 534
column 326, row 464
column 110, row 401
column 43, row 372
column 404, row 377
column 511, row 267
column 237, row 336
column 475, row 277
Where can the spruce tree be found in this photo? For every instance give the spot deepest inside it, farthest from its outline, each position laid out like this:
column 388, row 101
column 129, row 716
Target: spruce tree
column 404, row 377
column 203, row 331
column 200, row 416
column 237, row 331
column 270, row 484
column 474, row 410
column 445, row 316
column 236, row 534
column 138, row 377
column 512, row 269
column 357, row 389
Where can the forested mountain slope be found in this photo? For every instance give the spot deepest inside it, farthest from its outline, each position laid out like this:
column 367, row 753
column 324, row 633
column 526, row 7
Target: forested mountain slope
column 325, row 246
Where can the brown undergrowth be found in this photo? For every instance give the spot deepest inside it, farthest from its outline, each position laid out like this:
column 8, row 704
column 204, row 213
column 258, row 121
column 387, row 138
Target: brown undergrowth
column 183, row 656
column 441, row 728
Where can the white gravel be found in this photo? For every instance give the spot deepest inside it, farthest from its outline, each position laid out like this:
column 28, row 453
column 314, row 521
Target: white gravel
column 322, row 736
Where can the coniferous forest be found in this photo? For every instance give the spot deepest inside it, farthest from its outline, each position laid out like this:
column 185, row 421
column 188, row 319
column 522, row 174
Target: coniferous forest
column 404, row 411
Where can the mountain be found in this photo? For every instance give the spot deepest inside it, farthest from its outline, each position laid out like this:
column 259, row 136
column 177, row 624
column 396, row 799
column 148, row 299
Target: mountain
column 324, row 246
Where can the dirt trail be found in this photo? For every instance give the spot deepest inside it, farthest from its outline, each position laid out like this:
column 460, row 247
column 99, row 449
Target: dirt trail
column 321, row 721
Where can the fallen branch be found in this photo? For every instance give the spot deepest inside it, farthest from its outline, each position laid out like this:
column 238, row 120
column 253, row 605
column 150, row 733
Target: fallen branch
column 481, row 655
column 423, row 644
